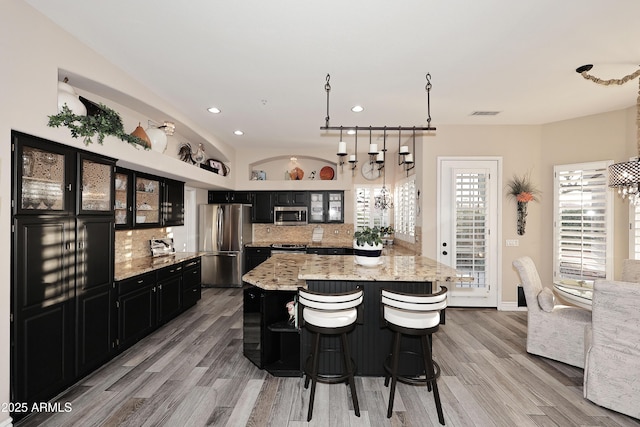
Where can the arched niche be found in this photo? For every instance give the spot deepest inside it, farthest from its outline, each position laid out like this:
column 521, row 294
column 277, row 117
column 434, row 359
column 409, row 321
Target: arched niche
column 278, row 168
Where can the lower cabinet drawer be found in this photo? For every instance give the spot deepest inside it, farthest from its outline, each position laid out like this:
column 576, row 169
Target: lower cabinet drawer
column 190, row 296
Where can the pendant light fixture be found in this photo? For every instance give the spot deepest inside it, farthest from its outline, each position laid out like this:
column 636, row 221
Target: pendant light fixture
column 375, row 155
column 625, row 176
column 384, row 200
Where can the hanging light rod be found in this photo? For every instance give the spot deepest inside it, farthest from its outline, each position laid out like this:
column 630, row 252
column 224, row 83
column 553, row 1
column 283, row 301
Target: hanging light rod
column 327, row 88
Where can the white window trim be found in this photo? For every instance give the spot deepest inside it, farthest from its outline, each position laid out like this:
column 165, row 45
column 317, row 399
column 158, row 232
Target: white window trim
column 608, row 212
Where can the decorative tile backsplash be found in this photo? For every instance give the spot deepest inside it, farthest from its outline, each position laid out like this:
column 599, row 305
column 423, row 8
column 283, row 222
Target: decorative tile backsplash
column 132, row 244
column 339, row 234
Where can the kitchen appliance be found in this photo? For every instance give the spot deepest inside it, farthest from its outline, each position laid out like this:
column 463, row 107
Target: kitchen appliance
column 223, row 231
column 288, row 248
column 290, row 215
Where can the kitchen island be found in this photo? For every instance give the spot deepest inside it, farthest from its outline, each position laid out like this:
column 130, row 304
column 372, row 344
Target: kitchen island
column 275, row 344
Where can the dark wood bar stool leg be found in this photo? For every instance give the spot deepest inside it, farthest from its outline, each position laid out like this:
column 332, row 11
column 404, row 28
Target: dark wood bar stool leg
column 430, row 374
column 314, row 373
column 348, row 367
column 395, row 360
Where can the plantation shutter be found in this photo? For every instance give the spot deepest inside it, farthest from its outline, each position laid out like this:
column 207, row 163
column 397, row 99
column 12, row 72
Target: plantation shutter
column 405, row 209
column 583, row 221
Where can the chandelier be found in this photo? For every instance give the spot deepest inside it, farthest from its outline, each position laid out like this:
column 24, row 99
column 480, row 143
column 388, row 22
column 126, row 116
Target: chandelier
column 377, row 156
column 625, row 176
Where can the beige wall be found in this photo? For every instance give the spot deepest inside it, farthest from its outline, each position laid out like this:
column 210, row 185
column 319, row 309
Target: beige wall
column 33, row 50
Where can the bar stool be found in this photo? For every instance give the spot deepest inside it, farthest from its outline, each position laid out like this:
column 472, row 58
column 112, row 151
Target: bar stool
column 412, row 315
column 327, row 315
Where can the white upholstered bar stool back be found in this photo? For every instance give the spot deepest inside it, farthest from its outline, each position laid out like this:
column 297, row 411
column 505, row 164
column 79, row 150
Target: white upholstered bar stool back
column 413, row 315
column 326, row 315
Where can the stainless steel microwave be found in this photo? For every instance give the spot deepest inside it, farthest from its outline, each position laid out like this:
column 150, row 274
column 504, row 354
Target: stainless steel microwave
column 290, row 215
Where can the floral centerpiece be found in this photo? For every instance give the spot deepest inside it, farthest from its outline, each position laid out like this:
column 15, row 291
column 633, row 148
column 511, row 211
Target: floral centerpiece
column 524, row 192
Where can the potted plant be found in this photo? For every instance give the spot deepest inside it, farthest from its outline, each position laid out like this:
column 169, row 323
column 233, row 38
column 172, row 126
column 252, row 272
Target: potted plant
column 367, row 245
column 387, row 235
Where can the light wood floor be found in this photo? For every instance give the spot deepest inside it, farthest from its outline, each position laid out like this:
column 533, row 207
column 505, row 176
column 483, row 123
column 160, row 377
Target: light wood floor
column 192, row 372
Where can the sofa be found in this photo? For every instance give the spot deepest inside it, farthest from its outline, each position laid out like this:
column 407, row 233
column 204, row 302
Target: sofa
column 553, row 331
column 612, row 365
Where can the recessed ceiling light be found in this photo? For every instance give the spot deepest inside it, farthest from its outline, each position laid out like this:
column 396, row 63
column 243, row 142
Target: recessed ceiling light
column 214, row 110
column 238, row 132
column 351, row 132
column 357, row 108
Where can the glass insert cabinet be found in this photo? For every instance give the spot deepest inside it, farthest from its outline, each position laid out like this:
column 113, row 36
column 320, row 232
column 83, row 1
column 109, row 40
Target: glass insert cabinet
column 326, row 206
column 46, row 180
column 147, row 201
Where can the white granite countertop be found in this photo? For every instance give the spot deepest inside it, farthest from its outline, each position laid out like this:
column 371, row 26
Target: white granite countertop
column 137, row 266
column 289, row 271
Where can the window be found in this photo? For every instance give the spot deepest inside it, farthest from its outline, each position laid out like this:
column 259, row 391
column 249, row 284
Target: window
column 583, row 222
column 405, row 210
column 365, row 211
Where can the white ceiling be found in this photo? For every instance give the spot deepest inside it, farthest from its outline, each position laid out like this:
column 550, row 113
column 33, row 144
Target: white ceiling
column 264, row 62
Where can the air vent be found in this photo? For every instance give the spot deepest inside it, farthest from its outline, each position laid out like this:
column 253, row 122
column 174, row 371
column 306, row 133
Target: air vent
column 485, row 113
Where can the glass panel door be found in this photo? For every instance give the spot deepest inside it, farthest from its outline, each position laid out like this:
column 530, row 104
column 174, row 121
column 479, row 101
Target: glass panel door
column 96, row 184
column 147, row 202
column 43, row 180
column 123, row 208
column 316, row 204
column 335, row 208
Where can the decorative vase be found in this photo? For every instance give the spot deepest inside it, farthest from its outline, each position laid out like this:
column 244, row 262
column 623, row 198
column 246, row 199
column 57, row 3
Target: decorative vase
column 140, row 133
column 67, row 95
column 367, row 255
column 158, row 139
column 522, row 217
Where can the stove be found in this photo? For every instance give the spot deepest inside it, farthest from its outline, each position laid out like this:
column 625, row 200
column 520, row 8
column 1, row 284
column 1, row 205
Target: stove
column 288, row 248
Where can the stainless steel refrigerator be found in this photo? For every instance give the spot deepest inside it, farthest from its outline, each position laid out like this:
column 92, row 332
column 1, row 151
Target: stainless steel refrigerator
column 223, row 231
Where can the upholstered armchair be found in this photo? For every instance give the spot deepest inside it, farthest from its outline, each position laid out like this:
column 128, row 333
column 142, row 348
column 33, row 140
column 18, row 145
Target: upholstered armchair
column 553, row 331
column 612, row 368
column 631, row 270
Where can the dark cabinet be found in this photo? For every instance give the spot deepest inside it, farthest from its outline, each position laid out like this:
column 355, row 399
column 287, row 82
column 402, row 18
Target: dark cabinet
column 191, row 283
column 271, row 341
column 245, row 197
column 326, row 206
column 95, row 293
column 95, row 185
column 169, row 293
column 123, row 205
column 147, row 201
column 291, row 198
column 44, row 176
column 42, row 332
column 329, row 251
column 61, row 268
column 262, row 211
column 255, row 256
column 136, row 308
column 172, row 202
column 149, row 300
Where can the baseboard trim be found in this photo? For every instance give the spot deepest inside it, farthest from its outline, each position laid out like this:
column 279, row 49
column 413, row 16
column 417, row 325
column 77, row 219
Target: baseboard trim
column 511, row 306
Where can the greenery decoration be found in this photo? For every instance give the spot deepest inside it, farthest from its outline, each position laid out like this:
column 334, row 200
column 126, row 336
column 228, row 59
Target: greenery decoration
column 368, row 235
column 105, row 122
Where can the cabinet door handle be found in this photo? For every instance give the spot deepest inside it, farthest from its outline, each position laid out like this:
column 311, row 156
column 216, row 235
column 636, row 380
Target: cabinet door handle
column 140, row 281
column 68, row 187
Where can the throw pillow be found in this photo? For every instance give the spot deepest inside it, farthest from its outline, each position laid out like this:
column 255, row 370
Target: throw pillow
column 546, row 299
